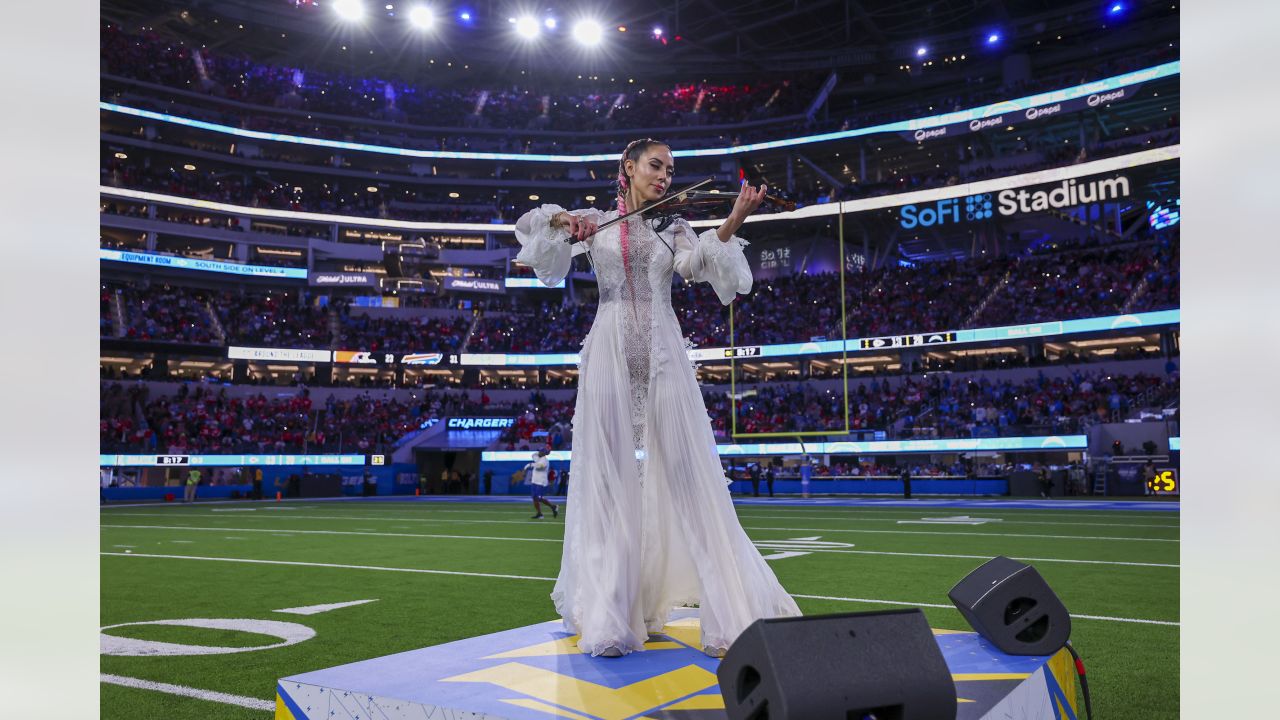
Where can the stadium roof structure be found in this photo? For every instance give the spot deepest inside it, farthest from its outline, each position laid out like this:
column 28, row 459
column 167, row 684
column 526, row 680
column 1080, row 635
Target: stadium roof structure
column 715, row 38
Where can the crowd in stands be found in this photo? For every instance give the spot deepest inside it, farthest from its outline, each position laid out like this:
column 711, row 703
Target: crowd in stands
column 276, row 319
column 935, row 407
column 542, row 423
column 1088, row 283
column 403, row 334
column 547, row 327
column 166, row 314
column 106, row 311
column 152, row 58
column 1074, row 281
column 206, row 419
column 148, row 57
column 413, row 203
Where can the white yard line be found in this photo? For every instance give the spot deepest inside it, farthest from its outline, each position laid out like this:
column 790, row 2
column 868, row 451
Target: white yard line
column 331, row 565
column 549, row 579
column 778, row 529
column 1074, row 616
column 210, row 695
column 915, row 516
column 287, row 533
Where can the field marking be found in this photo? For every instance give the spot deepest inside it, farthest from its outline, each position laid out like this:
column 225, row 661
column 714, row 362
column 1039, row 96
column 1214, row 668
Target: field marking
column 762, row 544
column 317, row 609
column 988, row 557
column 296, row 563
column 744, row 511
column 288, row 533
column 233, row 509
column 867, row 515
column 912, row 515
column 779, row 529
column 782, row 555
column 1074, row 616
column 210, row 695
column 550, row 579
column 288, row 633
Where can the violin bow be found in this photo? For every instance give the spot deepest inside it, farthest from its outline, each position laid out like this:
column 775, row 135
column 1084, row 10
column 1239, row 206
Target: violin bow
column 671, row 196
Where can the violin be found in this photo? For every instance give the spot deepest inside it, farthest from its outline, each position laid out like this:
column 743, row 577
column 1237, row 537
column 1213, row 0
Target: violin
column 668, row 208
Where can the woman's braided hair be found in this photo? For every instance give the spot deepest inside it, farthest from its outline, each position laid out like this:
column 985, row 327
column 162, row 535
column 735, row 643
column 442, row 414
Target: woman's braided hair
column 633, row 151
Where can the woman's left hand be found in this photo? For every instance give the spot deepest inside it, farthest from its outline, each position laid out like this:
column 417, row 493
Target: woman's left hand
column 748, row 201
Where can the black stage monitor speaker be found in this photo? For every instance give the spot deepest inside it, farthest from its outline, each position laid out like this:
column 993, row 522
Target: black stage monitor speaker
column 1009, row 604
column 852, row 666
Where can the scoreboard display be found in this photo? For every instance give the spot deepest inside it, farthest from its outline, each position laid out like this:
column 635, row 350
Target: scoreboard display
column 897, row 341
column 1165, row 482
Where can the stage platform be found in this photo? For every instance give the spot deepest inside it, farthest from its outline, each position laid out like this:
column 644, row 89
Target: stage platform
column 536, row 673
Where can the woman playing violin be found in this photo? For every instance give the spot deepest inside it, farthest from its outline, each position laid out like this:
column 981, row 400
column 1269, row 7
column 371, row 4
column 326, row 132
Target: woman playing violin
column 650, row 524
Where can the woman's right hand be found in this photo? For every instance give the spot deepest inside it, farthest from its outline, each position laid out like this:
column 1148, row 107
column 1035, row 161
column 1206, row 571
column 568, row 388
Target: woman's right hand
column 580, row 228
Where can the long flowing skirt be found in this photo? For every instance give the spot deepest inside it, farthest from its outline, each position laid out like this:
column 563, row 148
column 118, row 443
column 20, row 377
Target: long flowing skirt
column 645, row 535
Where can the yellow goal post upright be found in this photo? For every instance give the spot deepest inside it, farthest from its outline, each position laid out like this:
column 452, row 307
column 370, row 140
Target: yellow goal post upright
column 844, row 364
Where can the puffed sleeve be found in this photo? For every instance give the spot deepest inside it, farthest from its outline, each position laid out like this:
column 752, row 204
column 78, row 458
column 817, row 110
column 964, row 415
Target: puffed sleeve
column 543, row 247
column 703, row 258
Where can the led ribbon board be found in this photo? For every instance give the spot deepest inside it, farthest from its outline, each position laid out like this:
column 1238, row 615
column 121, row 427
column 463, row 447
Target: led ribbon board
column 186, row 263
column 1031, row 102
column 995, row 185
column 226, row 460
column 854, row 345
column 874, row 447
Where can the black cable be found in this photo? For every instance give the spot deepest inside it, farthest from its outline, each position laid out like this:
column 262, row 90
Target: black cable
column 1084, row 682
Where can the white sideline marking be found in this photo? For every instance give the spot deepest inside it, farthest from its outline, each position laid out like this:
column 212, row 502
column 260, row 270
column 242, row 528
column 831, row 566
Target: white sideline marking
column 879, row 516
column 332, row 565
column 964, row 534
column 1143, row 621
column 317, row 609
column 289, row 533
column 234, row 509
column 210, row 695
column 184, row 542
column 763, row 544
column 744, row 527
column 549, row 579
column 781, row 555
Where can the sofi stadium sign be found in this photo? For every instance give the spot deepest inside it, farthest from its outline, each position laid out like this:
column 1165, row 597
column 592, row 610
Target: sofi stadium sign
column 1014, row 201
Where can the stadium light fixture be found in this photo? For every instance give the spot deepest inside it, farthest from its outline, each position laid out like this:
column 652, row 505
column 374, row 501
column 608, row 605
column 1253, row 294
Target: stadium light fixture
column 349, row 10
column 1116, row 8
column 465, row 16
column 549, row 23
column 920, row 51
column 993, row 38
column 657, row 32
column 588, row 32
column 526, row 27
column 421, row 17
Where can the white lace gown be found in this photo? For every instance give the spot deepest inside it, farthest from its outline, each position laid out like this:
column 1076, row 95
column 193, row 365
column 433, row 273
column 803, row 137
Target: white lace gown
column 650, row 523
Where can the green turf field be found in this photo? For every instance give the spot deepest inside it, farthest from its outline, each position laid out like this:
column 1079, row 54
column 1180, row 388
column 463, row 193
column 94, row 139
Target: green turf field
column 1112, row 569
